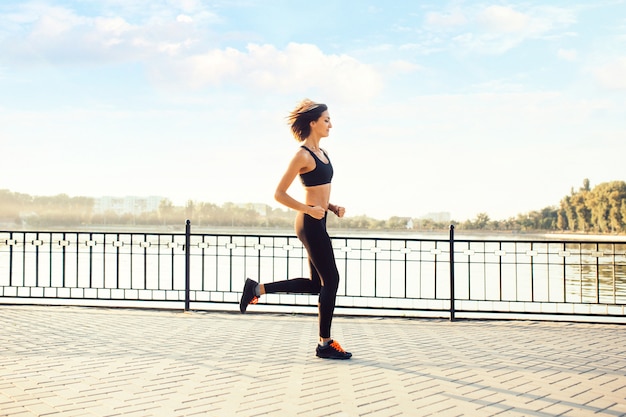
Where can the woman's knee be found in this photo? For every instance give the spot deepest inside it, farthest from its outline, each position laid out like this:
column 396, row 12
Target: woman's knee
column 331, row 282
column 316, row 286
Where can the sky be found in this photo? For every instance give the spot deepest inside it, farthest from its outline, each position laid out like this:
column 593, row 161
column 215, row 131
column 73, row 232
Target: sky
column 466, row 107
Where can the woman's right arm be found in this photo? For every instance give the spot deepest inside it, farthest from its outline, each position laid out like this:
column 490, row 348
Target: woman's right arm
column 298, row 163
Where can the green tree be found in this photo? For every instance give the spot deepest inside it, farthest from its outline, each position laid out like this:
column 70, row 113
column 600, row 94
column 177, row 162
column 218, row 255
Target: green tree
column 586, row 185
column 569, row 213
column 583, row 213
column 481, row 221
column 397, row 223
column 598, row 209
column 606, row 202
column 190, row 209
column 166, row 211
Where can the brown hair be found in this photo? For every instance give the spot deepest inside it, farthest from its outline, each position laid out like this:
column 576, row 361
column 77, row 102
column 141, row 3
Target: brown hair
column 301, row 117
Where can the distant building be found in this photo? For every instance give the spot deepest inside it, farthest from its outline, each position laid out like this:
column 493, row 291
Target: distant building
column 127, row 205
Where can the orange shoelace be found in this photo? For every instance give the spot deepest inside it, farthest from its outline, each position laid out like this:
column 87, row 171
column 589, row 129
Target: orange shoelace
column 254, row 300
column 337, row 346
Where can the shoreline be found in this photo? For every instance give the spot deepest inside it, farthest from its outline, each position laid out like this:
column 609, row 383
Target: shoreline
column 461, row 234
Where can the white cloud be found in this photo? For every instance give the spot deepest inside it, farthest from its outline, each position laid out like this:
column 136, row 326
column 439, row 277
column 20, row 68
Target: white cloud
column 184, row 18
column 446, row 20
column 189, row 6
column 210, row 68
column 612, row 75
column 497, row 29
column 298, row 68
column 567, row 54
column 404, row 67
column 54, row 22
column 175, row 50
column 504, row 19
column 115, row 26
column 36, row 32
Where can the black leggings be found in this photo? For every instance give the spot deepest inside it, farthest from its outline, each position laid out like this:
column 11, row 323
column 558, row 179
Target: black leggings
column 324, row 274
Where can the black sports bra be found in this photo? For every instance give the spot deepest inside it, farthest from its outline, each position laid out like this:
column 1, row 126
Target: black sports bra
column 321, row 174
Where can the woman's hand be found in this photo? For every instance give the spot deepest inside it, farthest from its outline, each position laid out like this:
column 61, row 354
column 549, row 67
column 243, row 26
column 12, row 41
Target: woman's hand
column 316, row 212
column 338, row 210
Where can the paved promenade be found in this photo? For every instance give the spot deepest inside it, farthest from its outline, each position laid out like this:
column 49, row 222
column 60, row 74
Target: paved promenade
column 73, row 361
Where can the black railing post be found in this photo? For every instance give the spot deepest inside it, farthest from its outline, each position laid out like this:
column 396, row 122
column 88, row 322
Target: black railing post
column 187, row 261
column 451, row 272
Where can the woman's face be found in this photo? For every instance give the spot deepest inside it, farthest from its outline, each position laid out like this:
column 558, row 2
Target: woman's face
column 321, row 127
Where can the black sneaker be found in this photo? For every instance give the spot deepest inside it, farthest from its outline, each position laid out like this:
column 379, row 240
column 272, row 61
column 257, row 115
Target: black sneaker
column 332, row 350
column 248, row 296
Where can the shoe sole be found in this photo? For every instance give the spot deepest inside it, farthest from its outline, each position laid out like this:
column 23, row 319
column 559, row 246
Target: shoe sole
column 335, row 359
column 348, row 356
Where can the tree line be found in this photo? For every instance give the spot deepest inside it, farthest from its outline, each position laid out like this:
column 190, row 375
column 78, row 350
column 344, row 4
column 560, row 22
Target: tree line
column 601, row 209
column 598, row 210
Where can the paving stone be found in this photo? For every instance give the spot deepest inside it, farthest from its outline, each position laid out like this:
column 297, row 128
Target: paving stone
column 75, row 361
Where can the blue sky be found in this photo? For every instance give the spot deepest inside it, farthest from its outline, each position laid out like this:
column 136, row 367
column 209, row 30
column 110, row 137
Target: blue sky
column 460, row 106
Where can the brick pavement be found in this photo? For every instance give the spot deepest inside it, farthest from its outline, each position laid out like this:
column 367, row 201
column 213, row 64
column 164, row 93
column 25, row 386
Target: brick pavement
column 73, row 361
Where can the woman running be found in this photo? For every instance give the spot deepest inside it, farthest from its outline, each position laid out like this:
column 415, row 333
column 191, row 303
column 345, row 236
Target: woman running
column 310, row 122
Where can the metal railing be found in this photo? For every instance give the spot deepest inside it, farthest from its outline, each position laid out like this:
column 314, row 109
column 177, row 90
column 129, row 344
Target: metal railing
column 396, row 275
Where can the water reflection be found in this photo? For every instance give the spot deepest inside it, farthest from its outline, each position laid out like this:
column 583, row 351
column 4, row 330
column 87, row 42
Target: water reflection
column 596, row 272
column 575, row 272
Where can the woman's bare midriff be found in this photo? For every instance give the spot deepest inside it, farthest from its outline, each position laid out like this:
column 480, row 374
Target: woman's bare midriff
column 318, row 195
